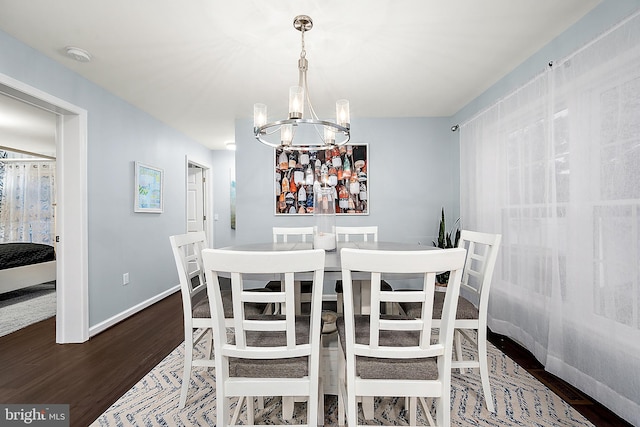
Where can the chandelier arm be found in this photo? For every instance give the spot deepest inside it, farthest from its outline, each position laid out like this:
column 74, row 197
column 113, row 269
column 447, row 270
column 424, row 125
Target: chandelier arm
column 320, row 135
column 274, row 130
column 308, row 96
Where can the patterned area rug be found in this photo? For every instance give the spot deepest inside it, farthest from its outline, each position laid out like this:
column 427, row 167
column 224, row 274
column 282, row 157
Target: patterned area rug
column 520, row 400
column 26, row 306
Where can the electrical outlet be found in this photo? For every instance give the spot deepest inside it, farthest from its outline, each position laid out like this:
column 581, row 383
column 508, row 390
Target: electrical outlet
column 125, row 279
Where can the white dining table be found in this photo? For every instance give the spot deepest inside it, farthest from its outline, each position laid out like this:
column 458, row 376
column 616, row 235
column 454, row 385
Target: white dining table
column 332, row 258
column 332, row 267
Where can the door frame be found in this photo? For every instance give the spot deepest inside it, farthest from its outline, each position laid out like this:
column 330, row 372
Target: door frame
column 207, row 202
column 72, row 278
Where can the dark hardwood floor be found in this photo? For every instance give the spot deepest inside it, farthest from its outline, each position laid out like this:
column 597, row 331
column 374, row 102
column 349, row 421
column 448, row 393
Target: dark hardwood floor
column 92, row 376
column 89, row 376
column 590, row 409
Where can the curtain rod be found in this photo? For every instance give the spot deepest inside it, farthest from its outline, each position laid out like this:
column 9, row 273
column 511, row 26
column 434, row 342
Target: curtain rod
column 29, row 153
column 26, row 160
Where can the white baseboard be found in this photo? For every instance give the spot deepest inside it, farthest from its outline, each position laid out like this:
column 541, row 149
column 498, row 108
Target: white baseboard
column 106, row 324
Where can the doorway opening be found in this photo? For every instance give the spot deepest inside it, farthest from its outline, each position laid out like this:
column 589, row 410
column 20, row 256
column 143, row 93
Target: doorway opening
column 72, row 311
column 198, row 204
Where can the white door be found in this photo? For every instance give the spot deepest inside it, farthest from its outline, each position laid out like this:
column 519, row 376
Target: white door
column 195, row 199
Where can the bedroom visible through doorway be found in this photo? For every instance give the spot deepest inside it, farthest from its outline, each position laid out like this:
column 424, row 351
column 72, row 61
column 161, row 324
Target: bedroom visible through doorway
column 27, row 214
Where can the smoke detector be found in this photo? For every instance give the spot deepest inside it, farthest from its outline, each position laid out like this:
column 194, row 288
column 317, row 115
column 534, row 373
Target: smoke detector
column 78, row 54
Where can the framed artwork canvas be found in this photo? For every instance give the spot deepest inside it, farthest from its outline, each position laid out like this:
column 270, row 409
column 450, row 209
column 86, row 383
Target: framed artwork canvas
column 298, row 174
column 149, row 183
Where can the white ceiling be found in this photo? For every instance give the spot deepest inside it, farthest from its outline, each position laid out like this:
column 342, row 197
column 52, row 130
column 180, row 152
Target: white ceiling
column 198, row 65
column 26, row 127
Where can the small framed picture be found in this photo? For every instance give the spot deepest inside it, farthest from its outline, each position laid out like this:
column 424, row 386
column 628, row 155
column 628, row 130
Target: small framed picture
column 148, row 188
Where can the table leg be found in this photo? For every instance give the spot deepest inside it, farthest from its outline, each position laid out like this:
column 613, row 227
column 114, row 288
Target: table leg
column 365, row 296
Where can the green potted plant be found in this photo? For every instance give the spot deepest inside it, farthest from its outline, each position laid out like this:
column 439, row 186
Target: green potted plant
column 445, row 242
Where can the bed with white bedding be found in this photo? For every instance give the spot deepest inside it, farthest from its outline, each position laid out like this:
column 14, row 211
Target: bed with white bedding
column 25, row 264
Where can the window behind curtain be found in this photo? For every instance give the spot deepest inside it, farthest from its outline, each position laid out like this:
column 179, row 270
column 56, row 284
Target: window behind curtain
column 555, row 168
column 27, row 201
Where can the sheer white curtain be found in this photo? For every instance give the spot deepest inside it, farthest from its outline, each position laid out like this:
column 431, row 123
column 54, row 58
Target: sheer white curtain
column 27, row 202
column 555, row 168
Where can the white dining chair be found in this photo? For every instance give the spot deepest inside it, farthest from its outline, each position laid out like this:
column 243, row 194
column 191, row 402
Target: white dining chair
column 187, row 253
column 473, row 303
column 287, row 235
column 266, row 355
column 303, row 298
column 392, row 355
column 367, row 233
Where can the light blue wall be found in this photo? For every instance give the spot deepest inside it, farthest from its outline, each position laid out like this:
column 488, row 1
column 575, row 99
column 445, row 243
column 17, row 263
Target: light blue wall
column 412, row 173
column 223, row 170
column 120, row 240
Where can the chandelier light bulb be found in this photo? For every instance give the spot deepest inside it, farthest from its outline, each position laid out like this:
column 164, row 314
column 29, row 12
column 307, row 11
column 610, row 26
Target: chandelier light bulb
column 286, row 135
column 259, row 115
column 342, row 112
column 329, row 135
column 296, row 102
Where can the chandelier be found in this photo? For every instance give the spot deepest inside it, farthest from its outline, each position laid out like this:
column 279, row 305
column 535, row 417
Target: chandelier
column 314, row 133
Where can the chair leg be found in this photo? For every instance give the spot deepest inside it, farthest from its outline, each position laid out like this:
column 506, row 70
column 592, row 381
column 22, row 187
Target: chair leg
column 341, row 386
column 443, row 407
column 250, row 411
column 427, row 411
column 209, row 346
column 389, row 308
column 457, row 342
column 298, row 297
column 413, row 411
column 340, row 409
column 352, row 409
column 287, row 408
column 236, row 413
column 484, row 368
column 222, row 409
column 320, row 408
column 368, row 408
column 186, row 373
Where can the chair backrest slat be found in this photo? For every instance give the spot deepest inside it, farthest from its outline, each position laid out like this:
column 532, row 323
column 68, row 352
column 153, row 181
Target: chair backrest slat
column 361, row 233
column 282, row 234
